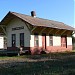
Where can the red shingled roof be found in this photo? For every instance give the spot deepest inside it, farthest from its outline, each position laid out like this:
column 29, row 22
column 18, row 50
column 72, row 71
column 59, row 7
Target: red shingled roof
column 35, row 21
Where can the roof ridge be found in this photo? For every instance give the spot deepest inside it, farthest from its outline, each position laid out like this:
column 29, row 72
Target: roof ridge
column 36, row 17
column 20, row 13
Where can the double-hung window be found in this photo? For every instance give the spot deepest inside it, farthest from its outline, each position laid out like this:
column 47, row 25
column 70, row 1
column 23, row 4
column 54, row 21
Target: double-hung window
column 13, row 40
column 22, row 39
column 50, row 40
column 36, row 40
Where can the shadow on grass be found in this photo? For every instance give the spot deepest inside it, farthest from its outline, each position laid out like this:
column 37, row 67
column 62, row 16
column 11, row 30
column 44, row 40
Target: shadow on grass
column 46, row 67
column 51, row 64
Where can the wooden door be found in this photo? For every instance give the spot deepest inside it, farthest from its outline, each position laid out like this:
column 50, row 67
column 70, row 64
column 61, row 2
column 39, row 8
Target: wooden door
column 44, row 41
column 64, row 41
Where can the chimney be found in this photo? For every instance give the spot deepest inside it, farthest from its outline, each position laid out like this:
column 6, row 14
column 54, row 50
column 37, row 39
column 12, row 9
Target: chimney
column 33, row 14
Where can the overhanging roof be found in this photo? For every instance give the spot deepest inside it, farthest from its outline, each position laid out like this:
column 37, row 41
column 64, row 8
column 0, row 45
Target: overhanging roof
column 35, row 21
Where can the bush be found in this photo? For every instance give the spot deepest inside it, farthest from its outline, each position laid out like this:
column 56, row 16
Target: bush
column 43, row 52
column 36, row 51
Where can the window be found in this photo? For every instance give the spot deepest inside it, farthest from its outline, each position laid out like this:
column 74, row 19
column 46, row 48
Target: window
column 51, row 40
column 36, row 40
column 13, row 40
column 22, row 39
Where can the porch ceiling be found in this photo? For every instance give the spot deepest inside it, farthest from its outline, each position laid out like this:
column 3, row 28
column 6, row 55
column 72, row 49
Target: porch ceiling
column 48, row 30
column 1, row 30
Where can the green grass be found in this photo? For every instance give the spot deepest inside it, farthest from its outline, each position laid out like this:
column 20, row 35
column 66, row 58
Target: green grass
column 56, row 66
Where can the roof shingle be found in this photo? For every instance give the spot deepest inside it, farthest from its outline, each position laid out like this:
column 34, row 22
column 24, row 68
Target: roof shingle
column 35, row 21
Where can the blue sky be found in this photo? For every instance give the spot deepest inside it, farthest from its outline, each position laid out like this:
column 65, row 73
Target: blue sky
column 58, row 10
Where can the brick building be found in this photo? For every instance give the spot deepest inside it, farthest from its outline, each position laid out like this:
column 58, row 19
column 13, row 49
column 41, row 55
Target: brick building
column 33, row 33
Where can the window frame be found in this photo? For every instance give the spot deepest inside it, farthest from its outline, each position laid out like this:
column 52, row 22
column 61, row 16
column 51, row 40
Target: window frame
column 36, row 40
column 13, row 40
column 21, row 39
column 50, row 39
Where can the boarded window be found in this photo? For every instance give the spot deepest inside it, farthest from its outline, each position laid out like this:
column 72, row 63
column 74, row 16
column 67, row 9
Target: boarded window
column 13, row 40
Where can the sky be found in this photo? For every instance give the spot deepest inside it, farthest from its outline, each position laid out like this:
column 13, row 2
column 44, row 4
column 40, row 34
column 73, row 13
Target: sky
column 57, row 10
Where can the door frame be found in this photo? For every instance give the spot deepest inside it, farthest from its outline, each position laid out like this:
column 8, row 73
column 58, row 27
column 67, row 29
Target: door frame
column 65, row 40
column 44, row 40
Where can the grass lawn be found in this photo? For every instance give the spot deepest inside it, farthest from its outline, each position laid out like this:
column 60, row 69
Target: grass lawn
column 50, row 64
